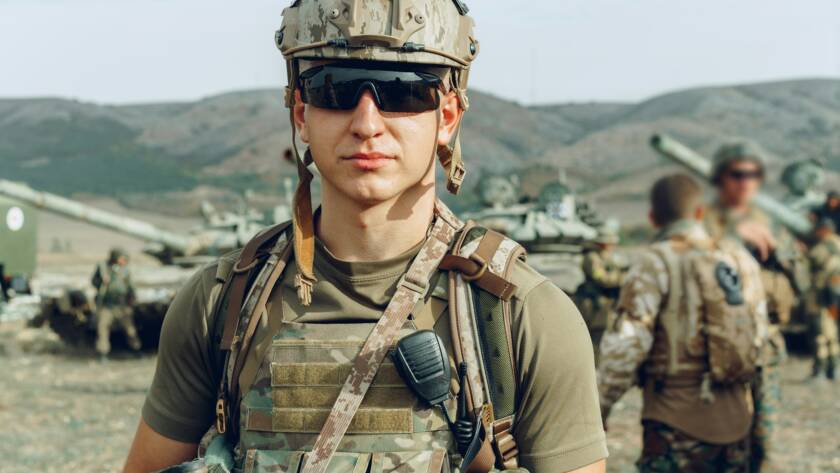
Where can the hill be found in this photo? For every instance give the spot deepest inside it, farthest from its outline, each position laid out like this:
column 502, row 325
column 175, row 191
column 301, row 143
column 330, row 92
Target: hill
column 236, row 140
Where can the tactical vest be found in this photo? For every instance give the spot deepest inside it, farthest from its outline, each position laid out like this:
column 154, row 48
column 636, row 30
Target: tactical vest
column 711, row 328
column 275, row 417
column 114, row 288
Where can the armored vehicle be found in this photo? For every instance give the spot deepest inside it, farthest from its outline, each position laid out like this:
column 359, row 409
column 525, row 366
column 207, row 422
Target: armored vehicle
column 803, row 180
column 69, row 310
column 554, row 227
column 18, row 246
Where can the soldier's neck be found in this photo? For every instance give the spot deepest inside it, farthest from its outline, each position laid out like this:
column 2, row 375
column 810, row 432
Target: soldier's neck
column 361, row 231
column 734, row 207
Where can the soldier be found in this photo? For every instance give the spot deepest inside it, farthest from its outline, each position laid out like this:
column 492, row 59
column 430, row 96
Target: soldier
column 738, row 174
column 688, row 330
column 597, row 295
column 278, row 352
column 830, row 209
column 825, row 259
column 114, row 298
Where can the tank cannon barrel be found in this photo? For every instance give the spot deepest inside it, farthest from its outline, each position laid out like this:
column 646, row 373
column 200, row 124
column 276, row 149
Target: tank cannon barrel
column 53, row 203
column 682, row 154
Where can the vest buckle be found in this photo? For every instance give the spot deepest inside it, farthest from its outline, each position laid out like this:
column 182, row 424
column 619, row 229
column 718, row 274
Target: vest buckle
column 221, row 416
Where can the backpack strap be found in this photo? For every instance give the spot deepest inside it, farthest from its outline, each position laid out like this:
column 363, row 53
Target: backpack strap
column 480, row 307
column 670, row 311
column 253, row 272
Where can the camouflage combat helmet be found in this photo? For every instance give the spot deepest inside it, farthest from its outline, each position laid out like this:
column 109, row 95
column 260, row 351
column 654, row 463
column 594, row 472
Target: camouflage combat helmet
column 736, row 151
column 115, row 254
column 437, row 33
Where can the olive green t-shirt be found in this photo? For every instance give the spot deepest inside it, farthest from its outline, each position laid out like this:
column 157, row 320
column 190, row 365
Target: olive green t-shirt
column 558, row 426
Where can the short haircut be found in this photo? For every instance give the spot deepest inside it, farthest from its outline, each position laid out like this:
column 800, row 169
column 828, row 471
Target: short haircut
column 673, row 198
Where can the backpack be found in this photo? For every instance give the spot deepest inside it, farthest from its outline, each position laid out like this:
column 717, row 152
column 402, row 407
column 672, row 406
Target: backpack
column 715, row 302
column 478, row 266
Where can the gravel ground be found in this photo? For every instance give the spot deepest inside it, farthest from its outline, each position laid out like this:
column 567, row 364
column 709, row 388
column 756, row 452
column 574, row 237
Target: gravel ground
column 66, row 411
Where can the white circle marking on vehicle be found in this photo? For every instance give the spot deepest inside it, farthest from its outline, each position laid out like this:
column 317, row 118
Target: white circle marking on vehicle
column 14, row 219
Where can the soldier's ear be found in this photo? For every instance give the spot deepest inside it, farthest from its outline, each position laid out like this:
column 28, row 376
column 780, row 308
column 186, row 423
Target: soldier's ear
column 450, row 115
column 699, row 213
column 652, row 220
column 299, row 117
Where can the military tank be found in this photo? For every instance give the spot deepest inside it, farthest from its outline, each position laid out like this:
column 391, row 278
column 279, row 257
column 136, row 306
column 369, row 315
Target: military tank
column 18, row 236
column 554, row 227
column 69, row 309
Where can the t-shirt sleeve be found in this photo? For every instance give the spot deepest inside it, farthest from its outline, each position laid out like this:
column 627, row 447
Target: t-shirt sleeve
column 180, row 403
column 559, row 426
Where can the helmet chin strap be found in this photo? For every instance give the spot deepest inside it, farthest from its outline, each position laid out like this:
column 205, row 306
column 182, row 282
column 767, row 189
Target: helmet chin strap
column 303, row 225
column 450, row 158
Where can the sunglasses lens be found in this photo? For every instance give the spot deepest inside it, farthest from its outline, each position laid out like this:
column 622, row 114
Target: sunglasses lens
column 339, row 88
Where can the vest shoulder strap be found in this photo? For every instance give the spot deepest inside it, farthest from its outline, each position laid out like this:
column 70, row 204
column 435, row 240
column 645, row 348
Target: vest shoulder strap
column 484, row 259
column 237, row 279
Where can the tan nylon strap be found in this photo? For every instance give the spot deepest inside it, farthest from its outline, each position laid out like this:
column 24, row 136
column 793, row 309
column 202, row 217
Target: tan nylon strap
column 239, row 281
column 488, row 245
column 471, row 270
column 485, row 459
column 411, row 288
column 428, row 316
column 671, row 310
column 506, row 448
column 304, row 239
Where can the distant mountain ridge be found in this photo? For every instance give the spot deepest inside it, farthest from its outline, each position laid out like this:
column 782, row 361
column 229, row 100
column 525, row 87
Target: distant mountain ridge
column 236, row 140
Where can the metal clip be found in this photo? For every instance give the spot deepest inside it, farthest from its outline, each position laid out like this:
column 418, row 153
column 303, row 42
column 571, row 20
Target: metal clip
column 221, row 416
column 479, row 273
column 457, row 171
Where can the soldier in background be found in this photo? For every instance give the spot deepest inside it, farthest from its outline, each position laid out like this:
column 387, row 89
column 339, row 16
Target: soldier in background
column 697, row 408
column 114, row 298
column 738, row 174
column 825, row 261
column 830, row 209
column 597, row 295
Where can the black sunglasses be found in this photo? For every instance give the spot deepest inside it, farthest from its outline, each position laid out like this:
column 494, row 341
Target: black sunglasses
column 341, row 87
column 739, row 175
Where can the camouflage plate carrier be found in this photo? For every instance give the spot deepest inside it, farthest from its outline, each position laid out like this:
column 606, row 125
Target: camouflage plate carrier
column 274, row 400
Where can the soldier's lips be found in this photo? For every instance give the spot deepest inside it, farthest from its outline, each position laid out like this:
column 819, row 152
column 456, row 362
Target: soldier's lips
column 369, row 161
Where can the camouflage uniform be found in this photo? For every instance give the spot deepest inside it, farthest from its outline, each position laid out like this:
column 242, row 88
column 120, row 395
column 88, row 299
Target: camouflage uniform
column 767, row 391
column 668, row 450
column 114, row 299
column 656, row 341
column 825, row 259
column 597, row 295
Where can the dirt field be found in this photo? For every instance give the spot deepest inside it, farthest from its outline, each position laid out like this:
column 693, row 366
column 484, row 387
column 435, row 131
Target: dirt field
column 66, row 411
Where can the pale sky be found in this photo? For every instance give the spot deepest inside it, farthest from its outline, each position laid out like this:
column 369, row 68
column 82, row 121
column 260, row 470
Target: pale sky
column 532, row 51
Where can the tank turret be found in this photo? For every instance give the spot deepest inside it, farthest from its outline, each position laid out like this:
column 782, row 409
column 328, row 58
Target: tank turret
column 221, row 234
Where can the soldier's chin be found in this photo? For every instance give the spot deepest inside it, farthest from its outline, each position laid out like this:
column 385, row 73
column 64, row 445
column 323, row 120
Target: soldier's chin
column 372, row 190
